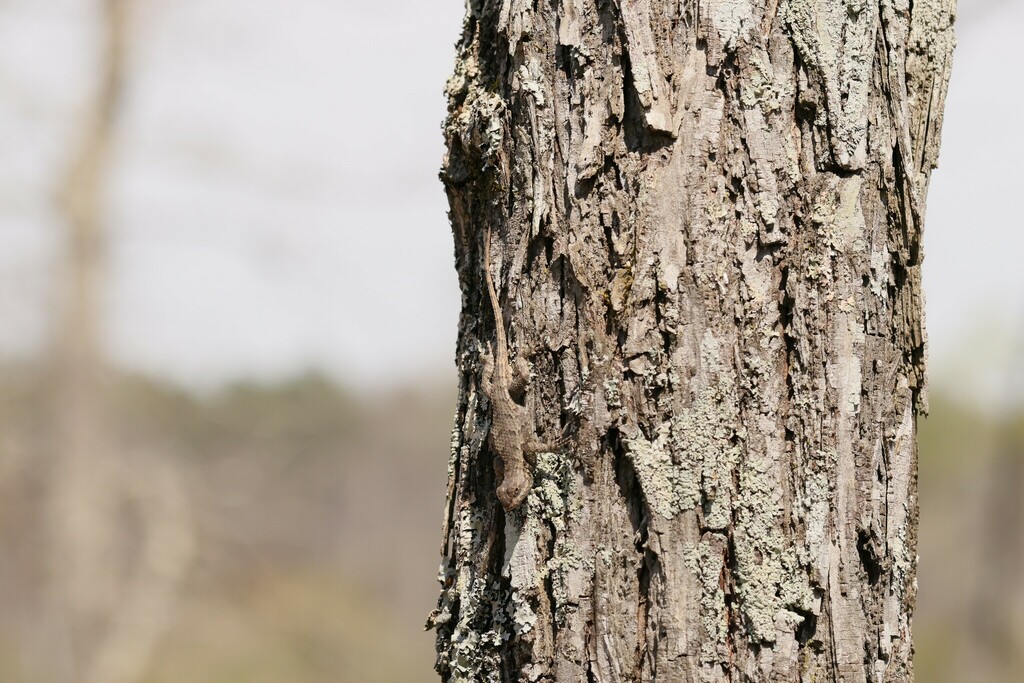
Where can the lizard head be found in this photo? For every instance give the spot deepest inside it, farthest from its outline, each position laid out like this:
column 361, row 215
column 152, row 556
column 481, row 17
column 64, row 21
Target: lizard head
column 513, row 489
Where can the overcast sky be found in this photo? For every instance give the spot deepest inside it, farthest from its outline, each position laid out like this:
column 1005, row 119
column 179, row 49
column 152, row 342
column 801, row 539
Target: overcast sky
column 275, row 205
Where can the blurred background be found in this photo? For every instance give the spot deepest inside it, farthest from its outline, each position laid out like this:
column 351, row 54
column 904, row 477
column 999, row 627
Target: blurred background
column 223, row 451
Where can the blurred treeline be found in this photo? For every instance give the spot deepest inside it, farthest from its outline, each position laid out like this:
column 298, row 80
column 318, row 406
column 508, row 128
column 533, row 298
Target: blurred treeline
column 312, row 515
column 969, row 624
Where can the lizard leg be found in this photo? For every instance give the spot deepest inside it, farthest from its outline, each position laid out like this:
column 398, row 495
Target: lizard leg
column 520, row 377
column 534, row 446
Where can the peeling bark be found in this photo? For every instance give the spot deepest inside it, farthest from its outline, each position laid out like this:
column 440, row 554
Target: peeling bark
column 706, row 229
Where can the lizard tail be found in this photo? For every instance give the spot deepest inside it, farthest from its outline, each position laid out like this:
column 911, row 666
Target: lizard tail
column 499, row 322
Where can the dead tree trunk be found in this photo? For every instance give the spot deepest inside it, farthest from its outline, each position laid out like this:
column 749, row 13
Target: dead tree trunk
column 705, row 224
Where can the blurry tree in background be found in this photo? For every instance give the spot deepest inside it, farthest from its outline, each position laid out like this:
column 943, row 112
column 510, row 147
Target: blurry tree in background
column 704, row 223
column 112, row 590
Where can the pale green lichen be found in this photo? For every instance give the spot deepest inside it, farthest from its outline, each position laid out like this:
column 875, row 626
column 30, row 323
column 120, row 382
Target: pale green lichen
column 706, row 561
column 769, row 577
column 849, row 223
column 466, row 650
column 837, row 40
column 522, row 568
column 469, row 647
column 477, row 614
column 553, row 497
column 456, row 448
column 554, row 501
column 473, row 654
column 564, row 563
column 709, row 430
column 667, row 488
column 838, row 220
column 524, row 618
column 759, row 85
column 692, row 456
column 813, row 508
column 733, row 20
column 551, row 501
column 758, row 547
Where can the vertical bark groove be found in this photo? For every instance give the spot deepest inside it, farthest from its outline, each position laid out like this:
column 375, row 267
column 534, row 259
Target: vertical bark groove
column 706, row 222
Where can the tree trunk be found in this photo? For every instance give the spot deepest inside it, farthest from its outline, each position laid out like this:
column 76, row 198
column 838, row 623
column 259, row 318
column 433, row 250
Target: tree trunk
column 705, row 224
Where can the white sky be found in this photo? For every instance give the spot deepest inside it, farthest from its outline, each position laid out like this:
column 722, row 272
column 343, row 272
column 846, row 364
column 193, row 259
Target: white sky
column 276, row 207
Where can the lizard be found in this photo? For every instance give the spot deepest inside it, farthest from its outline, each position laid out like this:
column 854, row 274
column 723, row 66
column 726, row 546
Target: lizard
column 511, row 436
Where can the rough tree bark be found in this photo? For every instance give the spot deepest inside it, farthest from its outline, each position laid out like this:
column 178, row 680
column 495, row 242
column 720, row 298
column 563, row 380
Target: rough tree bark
column 706, row 243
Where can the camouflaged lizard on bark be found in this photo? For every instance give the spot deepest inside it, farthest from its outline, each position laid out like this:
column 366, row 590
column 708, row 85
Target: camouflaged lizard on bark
column 511, row 436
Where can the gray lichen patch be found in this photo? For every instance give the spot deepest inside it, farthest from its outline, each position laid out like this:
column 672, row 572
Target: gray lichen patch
column 478, row 612
column 711, row 441
column 813, row 510
column 732, row 20
column 837, row 215
column 565, row 568
column 471, row 621
column 760, row 87
column 551, row 501
column 758, row 548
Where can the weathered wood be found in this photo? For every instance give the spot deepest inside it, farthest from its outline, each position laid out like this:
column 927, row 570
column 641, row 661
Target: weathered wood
column 706, row 223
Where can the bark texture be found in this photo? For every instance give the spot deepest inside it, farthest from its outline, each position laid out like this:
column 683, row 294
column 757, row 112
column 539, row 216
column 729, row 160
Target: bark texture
column 706, row 223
